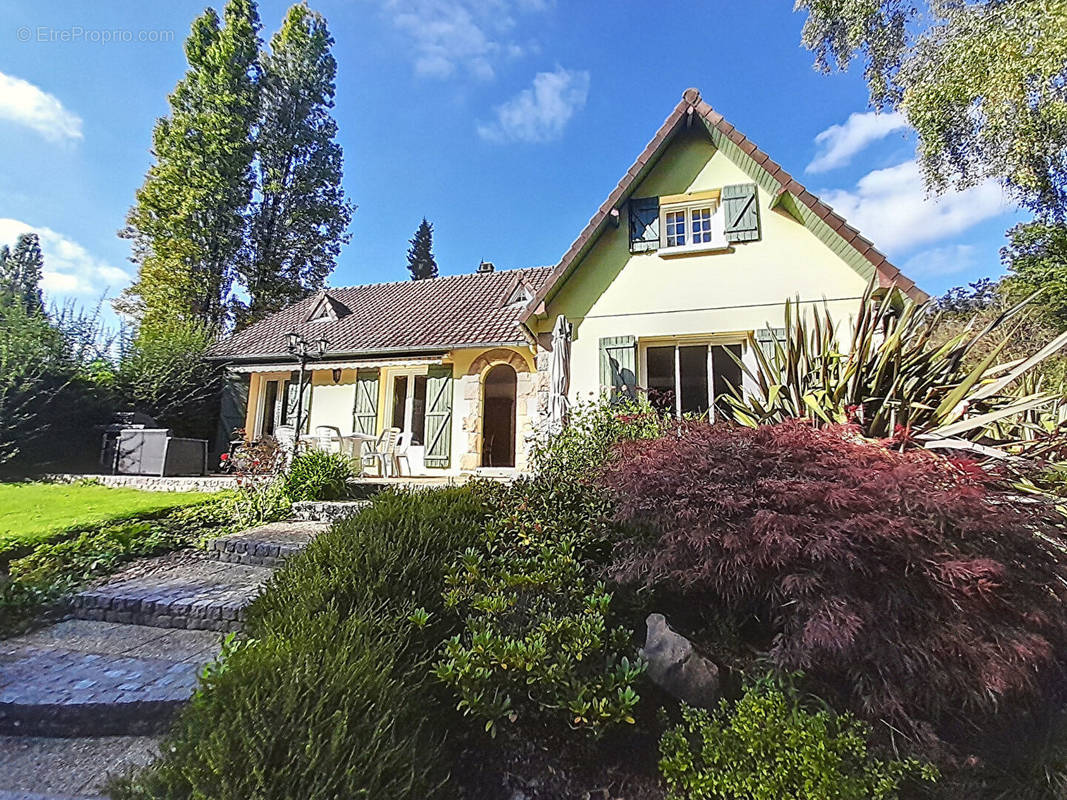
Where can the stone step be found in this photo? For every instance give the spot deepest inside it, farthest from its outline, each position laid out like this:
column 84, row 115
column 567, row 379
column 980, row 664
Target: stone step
column 39, row 768
column 197, row 594
column 266, row 546
column 323, row 511
column 84, row 678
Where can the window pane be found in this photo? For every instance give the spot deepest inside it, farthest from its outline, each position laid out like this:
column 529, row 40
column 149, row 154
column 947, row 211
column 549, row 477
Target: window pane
column 400, row 396
column 693, row 363
column 727, row 373
column 675, row 228
column 701, row 225
column 660, row 377
column 418, row 411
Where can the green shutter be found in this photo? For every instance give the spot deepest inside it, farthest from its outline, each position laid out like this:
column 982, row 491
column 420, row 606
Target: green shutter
column 644, row 224
column 741, row 209
column 768, row 339
column 365, row 412
column 438, row 417
column 290, row 401
column 618, row 367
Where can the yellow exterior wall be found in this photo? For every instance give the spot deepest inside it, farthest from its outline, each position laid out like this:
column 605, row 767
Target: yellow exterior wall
column 615, row 293
column 333, row 403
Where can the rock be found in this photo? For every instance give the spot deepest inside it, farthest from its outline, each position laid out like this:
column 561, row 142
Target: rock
column 676, row 667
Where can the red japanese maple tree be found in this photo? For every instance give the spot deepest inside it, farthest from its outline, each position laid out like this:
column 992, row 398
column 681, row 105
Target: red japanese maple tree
column 905, row 581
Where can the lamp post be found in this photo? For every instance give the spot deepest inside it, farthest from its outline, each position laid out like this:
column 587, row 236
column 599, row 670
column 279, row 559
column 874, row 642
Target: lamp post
column 305, row 350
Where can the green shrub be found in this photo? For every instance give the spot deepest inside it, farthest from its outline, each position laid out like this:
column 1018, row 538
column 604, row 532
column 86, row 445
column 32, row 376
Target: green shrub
column 333, row 695
column 162, row 372
column 541, row 640
column 768, row 747
column 315, row 475
column 257, row 501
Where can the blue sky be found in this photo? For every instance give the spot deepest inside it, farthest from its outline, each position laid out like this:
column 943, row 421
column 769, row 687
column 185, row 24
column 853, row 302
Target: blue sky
column 505, row 122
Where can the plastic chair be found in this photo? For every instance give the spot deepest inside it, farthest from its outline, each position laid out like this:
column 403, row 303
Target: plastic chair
column 285, row 436
column 383, row 452
column 328, row 438
column 403, row 443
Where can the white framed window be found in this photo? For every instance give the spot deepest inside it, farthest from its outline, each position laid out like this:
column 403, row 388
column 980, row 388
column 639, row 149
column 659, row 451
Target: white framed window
column 693, row 226
column 693, row 375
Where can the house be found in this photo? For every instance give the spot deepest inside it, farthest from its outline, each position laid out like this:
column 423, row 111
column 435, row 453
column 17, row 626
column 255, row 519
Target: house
column 684, row 267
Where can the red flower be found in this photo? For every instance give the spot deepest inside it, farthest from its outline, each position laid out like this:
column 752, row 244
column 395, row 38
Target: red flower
column 224, row 457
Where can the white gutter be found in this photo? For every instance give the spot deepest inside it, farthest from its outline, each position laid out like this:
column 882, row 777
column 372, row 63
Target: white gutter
column 315, row 366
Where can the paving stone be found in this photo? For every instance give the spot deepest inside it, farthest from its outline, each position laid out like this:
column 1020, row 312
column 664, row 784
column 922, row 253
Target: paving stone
column 328, row 511
column 190, row 589
column 268, row 545
column 33, row 768
column 56, row 692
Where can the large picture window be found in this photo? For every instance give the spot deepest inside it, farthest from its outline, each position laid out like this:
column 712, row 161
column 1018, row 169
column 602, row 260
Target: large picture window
column 692, row 379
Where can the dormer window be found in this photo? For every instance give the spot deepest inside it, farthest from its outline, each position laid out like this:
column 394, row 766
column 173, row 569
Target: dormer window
column 327, row 309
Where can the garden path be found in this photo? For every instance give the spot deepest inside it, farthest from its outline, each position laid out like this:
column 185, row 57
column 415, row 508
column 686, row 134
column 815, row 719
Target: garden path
column 87, row 697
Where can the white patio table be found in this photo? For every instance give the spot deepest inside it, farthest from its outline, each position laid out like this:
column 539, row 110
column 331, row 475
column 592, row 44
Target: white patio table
column 352, row 445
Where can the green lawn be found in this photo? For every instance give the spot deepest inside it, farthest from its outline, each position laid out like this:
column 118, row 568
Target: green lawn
column 33, row 512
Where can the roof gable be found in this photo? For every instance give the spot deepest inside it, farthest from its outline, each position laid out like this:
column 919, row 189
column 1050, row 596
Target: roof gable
column 327, row 307
column 786, row 191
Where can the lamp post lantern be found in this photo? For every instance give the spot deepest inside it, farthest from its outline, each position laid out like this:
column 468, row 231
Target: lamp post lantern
column 305, row 350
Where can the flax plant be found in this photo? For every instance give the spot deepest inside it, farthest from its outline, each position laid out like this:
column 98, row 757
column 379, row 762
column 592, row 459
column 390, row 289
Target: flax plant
column 892, row 380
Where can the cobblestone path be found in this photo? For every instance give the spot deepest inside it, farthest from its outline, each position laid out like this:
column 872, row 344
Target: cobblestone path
column 84, row 697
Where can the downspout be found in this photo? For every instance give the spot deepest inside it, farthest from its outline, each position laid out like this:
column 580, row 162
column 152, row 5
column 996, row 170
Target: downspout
column 528, row 335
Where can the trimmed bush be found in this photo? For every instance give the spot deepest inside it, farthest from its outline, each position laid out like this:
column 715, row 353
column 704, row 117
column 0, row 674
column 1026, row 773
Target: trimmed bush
column 315, row 475
column 902, row 582
column 332, row 696
column 768, row 746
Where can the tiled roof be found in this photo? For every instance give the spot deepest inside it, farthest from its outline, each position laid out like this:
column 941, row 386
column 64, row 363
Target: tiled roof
column 406, row 316
column 692, row 105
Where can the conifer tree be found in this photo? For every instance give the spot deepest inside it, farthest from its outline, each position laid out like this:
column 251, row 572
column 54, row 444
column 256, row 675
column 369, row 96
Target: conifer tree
column 28, row 268
column 187, row 225
column 421, row 262
column 7, row 275
column 299, row 219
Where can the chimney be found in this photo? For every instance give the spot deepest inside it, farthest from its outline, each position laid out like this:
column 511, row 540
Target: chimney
column 486, row 266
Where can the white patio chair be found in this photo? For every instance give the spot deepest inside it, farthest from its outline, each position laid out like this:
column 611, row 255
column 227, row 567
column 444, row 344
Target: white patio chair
column 328, row 438
column 381, row 455
column 403, row 444
column 285, row 436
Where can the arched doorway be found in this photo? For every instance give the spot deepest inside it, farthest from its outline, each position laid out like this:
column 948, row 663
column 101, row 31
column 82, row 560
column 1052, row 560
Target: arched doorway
column 498, row 416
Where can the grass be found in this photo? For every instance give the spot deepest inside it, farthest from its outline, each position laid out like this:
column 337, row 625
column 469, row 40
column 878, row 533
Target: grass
column 32, row 513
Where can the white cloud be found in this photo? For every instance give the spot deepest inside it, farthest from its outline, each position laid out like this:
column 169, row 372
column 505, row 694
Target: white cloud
column 892, row 208
column 838, row 143
column 69, row 269
column 23, row 103
column 938, row 262
column 449, row 35
column 540, row 113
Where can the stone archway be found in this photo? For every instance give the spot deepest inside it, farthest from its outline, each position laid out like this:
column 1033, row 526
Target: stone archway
column 473, row 384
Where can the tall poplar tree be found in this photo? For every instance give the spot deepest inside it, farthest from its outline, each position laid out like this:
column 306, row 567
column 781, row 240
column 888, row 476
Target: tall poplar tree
column 187, row 225
column 300, row 215
column 421, row 263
